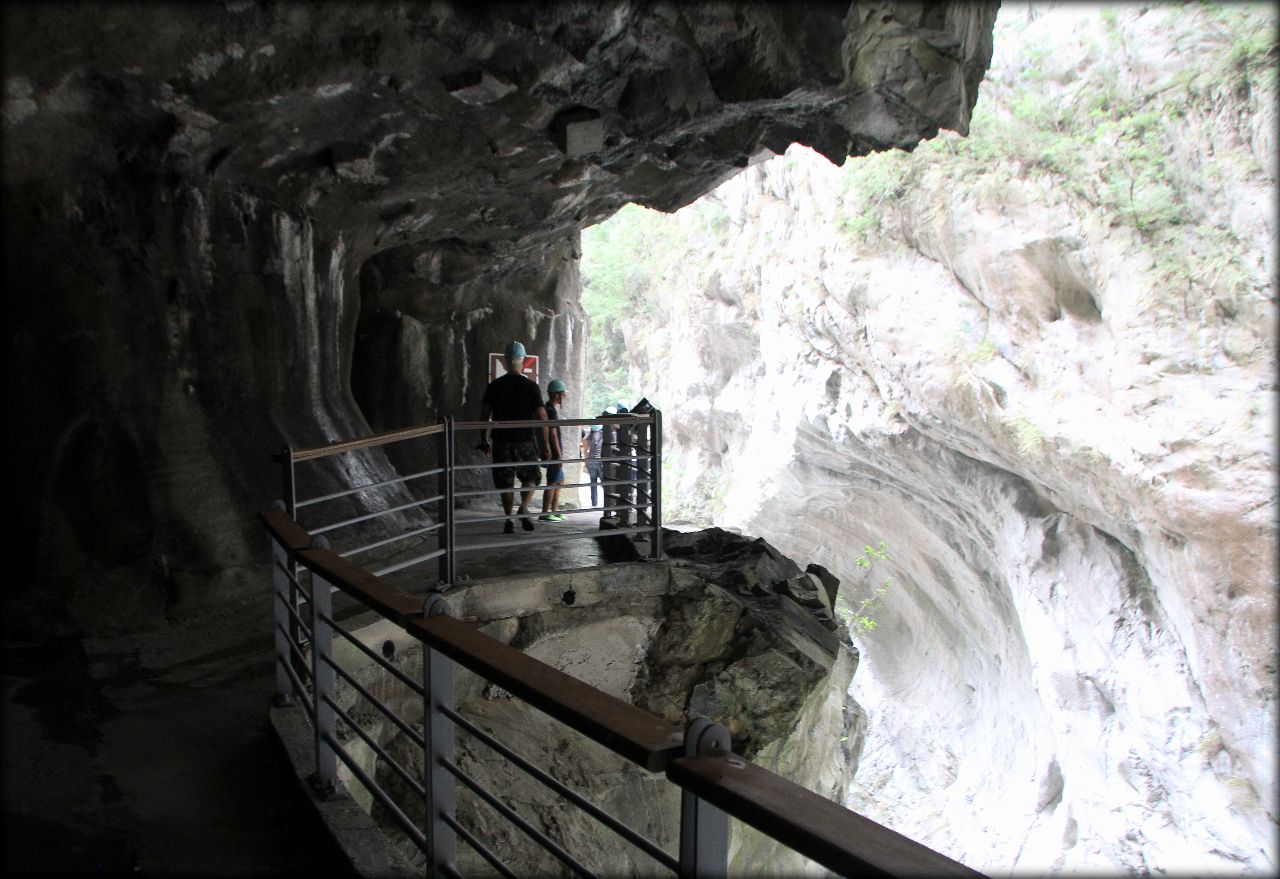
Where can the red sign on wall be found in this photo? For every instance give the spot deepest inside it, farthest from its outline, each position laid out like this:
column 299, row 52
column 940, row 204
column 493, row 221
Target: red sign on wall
column 498, row 366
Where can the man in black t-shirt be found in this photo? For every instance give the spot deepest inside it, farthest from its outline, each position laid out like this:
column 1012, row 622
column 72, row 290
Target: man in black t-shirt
column 513, row 397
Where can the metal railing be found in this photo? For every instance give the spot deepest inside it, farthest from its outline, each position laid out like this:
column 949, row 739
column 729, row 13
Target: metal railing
column 632, row 485
column 714, row 783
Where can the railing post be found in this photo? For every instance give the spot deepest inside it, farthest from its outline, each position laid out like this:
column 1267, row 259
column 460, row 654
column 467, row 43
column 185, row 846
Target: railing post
column 437, row 728
column 626, row 442
column 289, row 487
column 655, row 484
column 642, row 486
column 322, row 681
column 704, row 829
column 609, row 449
column 448, row 537
column 281, row 591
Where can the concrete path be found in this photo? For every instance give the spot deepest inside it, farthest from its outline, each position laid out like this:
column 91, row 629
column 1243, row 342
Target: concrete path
column 151, row 753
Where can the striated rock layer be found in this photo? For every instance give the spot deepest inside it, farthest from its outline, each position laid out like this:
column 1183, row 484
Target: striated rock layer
column 231, row 226
column 1069, row 454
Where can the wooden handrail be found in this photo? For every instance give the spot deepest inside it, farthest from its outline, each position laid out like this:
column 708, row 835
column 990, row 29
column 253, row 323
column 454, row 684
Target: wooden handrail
column 839, row 839
column 627, row 420
column 378, row 439
column 337, row 447
column 288, row 533
column 631, row 732
column 361, row 585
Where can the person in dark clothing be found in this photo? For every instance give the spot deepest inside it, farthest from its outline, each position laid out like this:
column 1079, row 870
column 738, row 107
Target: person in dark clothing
column 555, row 472
column 513, row 397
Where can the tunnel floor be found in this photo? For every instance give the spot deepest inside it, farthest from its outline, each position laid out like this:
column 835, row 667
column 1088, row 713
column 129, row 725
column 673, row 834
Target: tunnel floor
column 151, row 753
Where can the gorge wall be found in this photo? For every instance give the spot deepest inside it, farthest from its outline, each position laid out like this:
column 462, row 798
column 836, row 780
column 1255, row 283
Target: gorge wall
column 230, row 226
column 1040, row 365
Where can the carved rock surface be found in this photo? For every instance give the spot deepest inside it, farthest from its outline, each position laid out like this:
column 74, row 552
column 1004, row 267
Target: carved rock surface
column 231, row 226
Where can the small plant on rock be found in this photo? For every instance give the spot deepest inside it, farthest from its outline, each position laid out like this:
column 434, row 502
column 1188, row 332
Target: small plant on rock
column 862, row 619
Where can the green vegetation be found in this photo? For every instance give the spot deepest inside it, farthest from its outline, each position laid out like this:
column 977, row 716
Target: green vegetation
column 625, row 263
column 861, row 619
column 1097, row 139
column 1028, row 438
column 619, row 261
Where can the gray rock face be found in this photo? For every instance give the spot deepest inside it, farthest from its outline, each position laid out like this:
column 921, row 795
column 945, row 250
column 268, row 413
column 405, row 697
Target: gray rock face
column 713, row 633
column 231, row 226
column 1072, row 459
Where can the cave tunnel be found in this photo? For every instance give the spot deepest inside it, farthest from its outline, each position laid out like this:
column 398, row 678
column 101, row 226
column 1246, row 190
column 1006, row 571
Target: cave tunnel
column 236, row 225
column 231, row 226
column 240, row 225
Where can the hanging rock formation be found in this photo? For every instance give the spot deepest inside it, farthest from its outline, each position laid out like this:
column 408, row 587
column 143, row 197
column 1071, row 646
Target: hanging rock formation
column 231, row 226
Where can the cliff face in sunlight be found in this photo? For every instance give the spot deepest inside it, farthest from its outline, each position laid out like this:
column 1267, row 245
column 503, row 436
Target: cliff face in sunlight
column 1039, row 364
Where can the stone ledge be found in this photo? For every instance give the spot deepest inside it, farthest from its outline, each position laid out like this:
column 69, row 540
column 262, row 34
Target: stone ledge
column 354, row 832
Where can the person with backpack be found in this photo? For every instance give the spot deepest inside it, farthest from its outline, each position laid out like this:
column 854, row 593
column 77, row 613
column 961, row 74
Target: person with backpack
column 514, row 397
column 554, row 453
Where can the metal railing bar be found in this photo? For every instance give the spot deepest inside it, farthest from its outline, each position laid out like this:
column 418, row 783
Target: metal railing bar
column 379, row 794
column 470, row 520
column 480, row 848
column 382, row 661
column 305, row 625
column 513, row 540
column 294, row 580
column 297, row 654
column 484, row 492
column 413, row 783
column 628, row 833
column 624, row 421
column 361, row 585
column 329, row 497
column 542, row 462
column 377, row 703
column 408, row 563
column 375, row 514
column 518, row 820
column 417, row 532
column 368, row 442
column 299, row 689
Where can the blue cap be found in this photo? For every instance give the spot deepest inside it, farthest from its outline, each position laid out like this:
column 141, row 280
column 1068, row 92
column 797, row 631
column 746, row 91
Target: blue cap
column 556, row 387
column 597, row 427
column 514, row 350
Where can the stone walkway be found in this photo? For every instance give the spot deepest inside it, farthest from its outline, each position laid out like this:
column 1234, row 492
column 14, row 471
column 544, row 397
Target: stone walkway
column 151, row 753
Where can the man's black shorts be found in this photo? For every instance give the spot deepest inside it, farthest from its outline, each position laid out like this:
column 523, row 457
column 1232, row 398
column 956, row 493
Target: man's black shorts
column 528, row 474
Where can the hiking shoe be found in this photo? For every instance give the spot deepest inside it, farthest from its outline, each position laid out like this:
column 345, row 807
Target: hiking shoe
column 527, row 523
column 556, row 517
column 509, row 527
column 546, row 517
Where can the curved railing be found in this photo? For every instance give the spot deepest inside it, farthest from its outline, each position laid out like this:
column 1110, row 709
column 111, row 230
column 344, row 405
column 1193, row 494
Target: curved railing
column 714, row 782
column 631, row 488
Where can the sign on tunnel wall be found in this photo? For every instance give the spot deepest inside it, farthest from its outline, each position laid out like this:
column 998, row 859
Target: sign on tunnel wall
column 497, row 368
